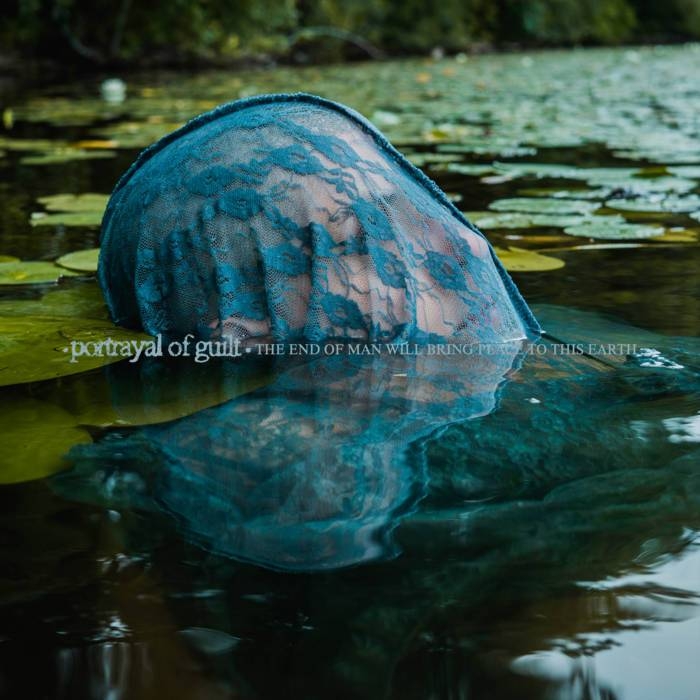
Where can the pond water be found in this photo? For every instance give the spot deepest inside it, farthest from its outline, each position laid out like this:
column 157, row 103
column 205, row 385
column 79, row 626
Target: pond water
column 525, row 525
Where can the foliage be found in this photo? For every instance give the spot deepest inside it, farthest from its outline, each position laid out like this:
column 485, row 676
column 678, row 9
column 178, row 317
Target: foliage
column 175, row 30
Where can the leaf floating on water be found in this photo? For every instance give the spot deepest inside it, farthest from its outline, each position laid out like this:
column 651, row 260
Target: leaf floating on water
column 521, row 260
column 80, row 260
column 681, row 236
column 138, row 134
column 691, row 171
column 489, row 220
column 34, row 437
column 422, row 159
column 68, row 218
column 567, row 172
column 11, row 144
column 38, row 347
column 544, row 206
column 97, row 144
column 599, row 194
column 8, row 258
column 614, row 231
column 71, row 210
column 657, row 203
column 469, row 169
column 88, row 201
column 32, row 272
column 81, row 300
column 65, row 155
column 643, row 185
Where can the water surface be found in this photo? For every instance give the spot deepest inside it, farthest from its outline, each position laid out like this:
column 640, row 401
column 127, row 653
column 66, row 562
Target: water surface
column 532, row 535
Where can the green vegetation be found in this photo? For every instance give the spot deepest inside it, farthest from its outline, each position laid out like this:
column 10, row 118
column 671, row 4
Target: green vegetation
column 123, row 31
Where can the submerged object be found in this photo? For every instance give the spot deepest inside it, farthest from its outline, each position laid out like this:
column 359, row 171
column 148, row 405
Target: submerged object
column 291, row 217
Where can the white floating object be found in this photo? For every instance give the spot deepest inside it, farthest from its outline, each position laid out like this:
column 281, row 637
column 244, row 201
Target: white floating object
column 113, row 90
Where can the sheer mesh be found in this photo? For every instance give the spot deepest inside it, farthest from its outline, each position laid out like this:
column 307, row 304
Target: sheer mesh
column 311, row 473
column 290, row 217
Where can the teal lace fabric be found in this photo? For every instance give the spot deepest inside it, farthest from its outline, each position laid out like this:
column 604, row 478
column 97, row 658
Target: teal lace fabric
column 291, row 217
column 312, row 472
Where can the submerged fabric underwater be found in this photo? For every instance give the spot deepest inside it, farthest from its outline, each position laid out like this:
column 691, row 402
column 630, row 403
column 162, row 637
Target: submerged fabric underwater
column 290, row 217
column 324, row 467
column 310, row 473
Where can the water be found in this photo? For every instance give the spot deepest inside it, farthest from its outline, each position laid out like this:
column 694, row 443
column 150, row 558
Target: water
column 536, row 537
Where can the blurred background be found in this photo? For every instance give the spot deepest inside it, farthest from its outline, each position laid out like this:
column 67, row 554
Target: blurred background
column 184, row 32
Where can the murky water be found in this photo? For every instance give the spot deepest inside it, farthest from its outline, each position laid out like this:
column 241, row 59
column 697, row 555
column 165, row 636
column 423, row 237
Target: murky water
column 533, row 535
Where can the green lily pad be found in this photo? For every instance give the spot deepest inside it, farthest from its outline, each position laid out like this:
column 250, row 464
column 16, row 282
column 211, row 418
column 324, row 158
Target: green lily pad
column 40, row 347
column 643, row 185
column 518, row 220
column 34, row 437
column 422, row 159
column 567, row 172
column 469, row 169
column 691, row 171
column 134, row 134
column 544, row 206
column 130, row 397
column 657, row 203
column 521, row 260
column 678, row 236
column 80, row 260
column 83, row 300
column 598, row 194
column 32, row 272
column 74, row 218
column 65, row 155
column 89, row 201
column 489, row 220
column 11, row 144
column 8, row 258
column 614, row 231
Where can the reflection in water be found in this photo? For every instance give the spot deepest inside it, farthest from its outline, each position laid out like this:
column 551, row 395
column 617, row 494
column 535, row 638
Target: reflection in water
column 539, row 521
column 311, row 472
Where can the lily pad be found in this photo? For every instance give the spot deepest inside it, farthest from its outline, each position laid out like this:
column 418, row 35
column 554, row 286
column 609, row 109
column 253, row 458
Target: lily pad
column 8, row 258
column 423, row 159
column 678, row 236
column 134, row 134
column 614, row 231
column 34, row 437
column 65, row 155
column 544, row 206
column 69, row 218
column 521, row 260
column 130, row 397
column 80, row 260
column 643, row 185
column 32, row 272
column 488, row 220
column 657, row 203
column 90, row 201
column 691, row 171
column 598, row 194
column 40, row 347
column 82, row 300
column 470, row 169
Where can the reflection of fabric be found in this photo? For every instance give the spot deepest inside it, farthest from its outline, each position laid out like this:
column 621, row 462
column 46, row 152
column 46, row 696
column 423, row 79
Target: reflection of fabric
column 310, row 473
column 290, row 216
